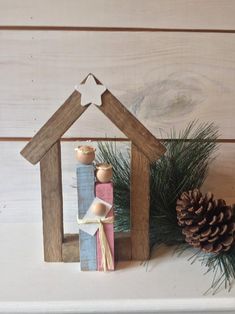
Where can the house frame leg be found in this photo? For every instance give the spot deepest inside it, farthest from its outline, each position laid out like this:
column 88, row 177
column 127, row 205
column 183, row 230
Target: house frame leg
column 52, row 204
column 140, row 200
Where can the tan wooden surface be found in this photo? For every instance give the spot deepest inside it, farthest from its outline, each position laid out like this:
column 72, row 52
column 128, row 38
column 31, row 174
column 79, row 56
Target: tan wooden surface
column 52, row 204
column 193, row 14
column 140, row 202
column 165, row 79
column 131, row 127
column 70, row 248
column 71, row 110
column 122, row 246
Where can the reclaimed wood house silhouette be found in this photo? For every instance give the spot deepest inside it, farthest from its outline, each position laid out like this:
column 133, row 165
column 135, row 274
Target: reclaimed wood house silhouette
column 45, row 148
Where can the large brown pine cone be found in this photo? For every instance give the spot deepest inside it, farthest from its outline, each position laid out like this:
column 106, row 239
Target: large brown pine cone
column 207, row 223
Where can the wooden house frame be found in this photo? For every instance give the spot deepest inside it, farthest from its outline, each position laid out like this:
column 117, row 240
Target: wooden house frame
column 45, row 148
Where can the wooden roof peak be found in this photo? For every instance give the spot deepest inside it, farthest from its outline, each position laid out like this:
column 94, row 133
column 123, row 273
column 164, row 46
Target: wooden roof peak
column 72, row 109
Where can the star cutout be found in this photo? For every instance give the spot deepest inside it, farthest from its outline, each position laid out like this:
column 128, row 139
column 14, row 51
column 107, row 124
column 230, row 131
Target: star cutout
column 91, row 92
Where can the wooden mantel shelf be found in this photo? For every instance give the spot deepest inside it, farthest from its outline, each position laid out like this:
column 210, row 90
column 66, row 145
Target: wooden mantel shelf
column 167, row 285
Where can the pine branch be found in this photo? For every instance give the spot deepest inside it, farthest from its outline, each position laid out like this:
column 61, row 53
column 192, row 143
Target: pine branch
column 184, row 166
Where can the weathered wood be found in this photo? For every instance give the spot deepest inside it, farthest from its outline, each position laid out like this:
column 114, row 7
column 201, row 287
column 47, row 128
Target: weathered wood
column 122, row 243
column 52, row 204
column 54, row 128
column 63, row 118
column 105, row 192
column 140, row 199
column 70, row 248
column 131, row 127
column 200, row 14
column 86, row 195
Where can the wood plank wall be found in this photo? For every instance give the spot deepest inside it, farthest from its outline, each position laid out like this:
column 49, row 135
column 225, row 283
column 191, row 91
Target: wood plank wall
column 168, row 61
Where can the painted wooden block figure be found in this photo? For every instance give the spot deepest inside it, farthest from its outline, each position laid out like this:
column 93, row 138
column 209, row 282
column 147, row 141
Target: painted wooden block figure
column 105, row 192
column 86, row 195
column 95, row 213
column 85, row 189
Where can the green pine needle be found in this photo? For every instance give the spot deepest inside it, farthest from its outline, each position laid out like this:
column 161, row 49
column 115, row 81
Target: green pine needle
column 183, row 167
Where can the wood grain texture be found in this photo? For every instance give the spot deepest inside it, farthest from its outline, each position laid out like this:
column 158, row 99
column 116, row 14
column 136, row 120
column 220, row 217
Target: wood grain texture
column 164, row 79
column 122, row 244
column 52, row 204
column 131, row 127
column 200, row 14
column 54, row 128
column 70, row 248
column 140, row 202
column 66, row 115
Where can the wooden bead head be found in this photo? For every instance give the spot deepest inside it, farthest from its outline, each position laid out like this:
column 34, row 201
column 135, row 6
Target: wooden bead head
column 99, row 209
column 104, row 172
column 85, row 154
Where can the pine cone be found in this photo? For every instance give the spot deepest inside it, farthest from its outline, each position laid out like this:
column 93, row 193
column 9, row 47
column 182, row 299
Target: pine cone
column 207, row 223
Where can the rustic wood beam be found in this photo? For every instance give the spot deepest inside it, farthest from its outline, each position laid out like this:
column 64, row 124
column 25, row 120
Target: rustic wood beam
column 52, row 204
column 122, row 246
column 70, row 248
column 140, row 199
column 131, row 127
